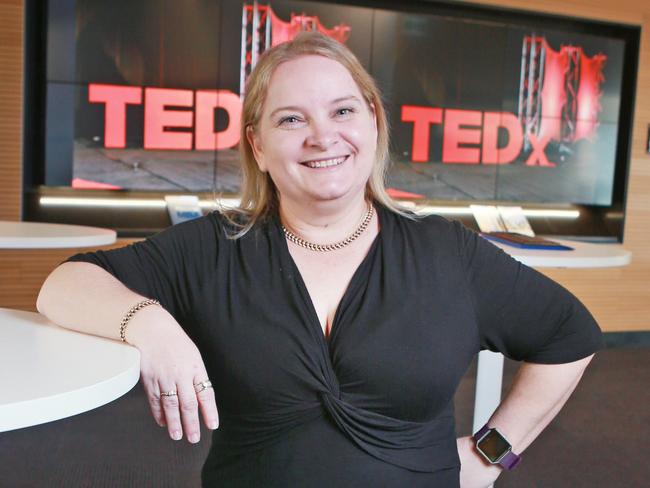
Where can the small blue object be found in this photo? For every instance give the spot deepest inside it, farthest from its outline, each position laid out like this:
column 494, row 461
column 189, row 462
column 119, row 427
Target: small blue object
column 188, row 214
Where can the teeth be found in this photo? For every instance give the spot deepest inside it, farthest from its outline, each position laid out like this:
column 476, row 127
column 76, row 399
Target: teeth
column 325, row 163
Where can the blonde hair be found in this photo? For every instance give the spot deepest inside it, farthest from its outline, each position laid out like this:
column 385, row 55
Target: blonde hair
column 259, row 194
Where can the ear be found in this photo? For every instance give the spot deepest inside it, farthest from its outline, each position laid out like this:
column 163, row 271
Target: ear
column 254, row 142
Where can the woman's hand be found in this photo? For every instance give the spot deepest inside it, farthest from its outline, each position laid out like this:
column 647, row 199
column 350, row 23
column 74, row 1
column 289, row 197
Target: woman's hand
column 474, row 471
column 170, row 361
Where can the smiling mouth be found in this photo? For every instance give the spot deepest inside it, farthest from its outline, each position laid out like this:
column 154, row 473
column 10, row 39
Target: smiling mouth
column 325, row 163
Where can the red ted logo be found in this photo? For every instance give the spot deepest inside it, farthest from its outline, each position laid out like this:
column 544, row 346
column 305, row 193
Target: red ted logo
column 559, row 100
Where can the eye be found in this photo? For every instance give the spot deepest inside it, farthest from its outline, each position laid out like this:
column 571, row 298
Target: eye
column 344, row 111
column 289, row 120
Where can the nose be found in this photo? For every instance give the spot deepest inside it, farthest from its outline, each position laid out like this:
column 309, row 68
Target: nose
column 322, row 135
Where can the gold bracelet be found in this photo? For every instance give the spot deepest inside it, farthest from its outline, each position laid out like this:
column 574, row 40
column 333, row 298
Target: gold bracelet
column 129, row 315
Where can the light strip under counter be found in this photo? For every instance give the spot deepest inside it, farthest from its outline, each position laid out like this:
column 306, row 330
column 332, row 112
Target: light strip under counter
column 126, row 202
column 229, row 202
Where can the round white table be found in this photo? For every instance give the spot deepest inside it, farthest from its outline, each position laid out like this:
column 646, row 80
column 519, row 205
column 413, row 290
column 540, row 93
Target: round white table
column 36, row 235
column 489, row 375
column 49, row 373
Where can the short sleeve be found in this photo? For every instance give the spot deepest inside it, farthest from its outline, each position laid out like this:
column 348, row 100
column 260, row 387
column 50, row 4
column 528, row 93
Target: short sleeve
column 519, row 311
column 168, row 266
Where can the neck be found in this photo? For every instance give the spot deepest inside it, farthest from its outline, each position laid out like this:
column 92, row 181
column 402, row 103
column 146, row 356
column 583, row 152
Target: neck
column 323, row 223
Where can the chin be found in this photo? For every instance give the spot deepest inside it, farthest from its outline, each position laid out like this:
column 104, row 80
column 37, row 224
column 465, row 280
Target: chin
column 333, row 194
column 329, row 196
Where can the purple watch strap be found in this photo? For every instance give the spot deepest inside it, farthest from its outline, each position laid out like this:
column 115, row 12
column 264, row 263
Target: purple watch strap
column 509, row 460
column 480, row 433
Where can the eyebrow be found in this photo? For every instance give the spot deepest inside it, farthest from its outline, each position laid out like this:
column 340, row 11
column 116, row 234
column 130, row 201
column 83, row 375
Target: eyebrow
column 333, row 102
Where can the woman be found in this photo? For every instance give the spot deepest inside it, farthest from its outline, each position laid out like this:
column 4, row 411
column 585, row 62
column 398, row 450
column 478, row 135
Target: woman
column 334, row 327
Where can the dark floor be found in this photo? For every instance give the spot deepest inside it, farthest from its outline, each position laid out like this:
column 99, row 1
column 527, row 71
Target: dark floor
column 600, row 439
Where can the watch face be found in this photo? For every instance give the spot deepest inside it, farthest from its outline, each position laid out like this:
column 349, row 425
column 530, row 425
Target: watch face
column 493, row 446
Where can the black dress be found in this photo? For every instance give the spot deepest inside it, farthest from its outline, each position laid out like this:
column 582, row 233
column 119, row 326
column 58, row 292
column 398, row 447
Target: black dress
column 371, row 405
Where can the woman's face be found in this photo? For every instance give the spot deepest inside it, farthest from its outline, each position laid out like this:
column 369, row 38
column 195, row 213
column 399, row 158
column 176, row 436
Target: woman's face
column 317, row 136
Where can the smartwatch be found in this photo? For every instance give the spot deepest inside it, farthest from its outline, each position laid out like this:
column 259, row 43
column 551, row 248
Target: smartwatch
column 495, row 448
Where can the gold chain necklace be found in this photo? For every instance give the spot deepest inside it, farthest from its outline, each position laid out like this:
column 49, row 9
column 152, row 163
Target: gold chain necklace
column 331, row 247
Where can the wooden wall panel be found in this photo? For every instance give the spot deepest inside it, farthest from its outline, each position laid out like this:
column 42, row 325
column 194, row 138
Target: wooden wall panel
column 23, row 271
column 618, row 297
column 11, row 99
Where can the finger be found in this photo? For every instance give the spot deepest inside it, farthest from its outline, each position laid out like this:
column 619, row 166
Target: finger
column 153, row 398
column 207, row 404
column 170, row 405
column 189, row 408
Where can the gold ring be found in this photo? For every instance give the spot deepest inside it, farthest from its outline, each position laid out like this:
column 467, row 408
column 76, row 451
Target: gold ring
column 169, row 393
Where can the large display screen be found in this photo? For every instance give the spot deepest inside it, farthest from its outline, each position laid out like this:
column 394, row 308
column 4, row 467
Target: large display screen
column 147, row 96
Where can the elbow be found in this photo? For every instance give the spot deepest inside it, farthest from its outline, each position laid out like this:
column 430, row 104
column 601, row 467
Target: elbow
column 42, row 298
column 39, row 302
column 67, row 280
column 48, row 289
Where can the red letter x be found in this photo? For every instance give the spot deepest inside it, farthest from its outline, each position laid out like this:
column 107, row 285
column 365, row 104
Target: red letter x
column 537, row 156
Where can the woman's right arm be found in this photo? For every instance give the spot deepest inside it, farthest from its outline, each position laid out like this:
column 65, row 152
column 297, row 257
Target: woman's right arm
column 86, row 298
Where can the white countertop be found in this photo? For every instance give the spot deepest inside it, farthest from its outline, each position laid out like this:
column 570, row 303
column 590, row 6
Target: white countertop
column 35, row 235
column 583, row 255
column 48, row 372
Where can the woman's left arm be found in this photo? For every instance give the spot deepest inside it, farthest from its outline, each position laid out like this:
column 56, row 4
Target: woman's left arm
column 537, row 394
column 529, row 318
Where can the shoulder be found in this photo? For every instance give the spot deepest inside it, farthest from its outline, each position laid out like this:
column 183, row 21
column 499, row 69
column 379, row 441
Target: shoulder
column 221, row 224
column 423, row 225
column 423, row 233
column 204, row 226
column 192, row 238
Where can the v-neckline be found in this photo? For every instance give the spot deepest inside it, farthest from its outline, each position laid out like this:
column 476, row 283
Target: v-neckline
column 304, row 291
